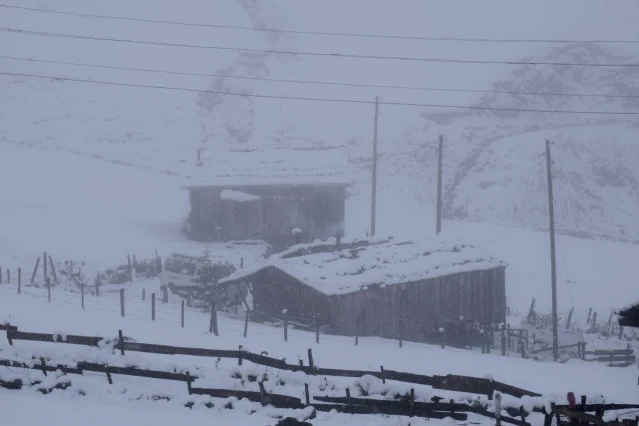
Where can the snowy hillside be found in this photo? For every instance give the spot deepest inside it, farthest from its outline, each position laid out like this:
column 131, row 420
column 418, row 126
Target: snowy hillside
column 160, row 130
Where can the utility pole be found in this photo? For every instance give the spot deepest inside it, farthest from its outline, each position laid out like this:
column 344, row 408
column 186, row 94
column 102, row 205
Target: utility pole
column 439, row 184
column 553, row 265
column 374, row 183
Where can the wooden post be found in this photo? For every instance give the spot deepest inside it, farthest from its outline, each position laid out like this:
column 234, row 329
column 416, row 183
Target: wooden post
column 317, row 331
column 382, row 375
column 620, row 332
column 307, row 396
column 438, row 227
column 213, row 323
column 152, row 306
column 182, row 315
column 610, row 321
column 189, row 387
column 310, row 359
column 350, row 401
column 8, row 276
column 241, row 263
column 97, row 284
column 374, row 176
column 143, row 294
column 35, row 270
column 55, row 275
column 239, row 358
column 553, row 263
column 503, row 341
column 411, row 403
column 48, row 280
column 569, row 318
column 246, row 323
column 285, row 327
column 128, row 258
column 108, row 374
column 121, row 302
column 594, row 321
column 589, row 315
column 19, row 280
column 121, row 342
column 82, row 294
column 44, row 264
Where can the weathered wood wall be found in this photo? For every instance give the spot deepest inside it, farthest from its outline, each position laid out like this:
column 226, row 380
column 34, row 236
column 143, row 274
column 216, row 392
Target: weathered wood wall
column 317, row 210
column 274, row 291
column 424, row 306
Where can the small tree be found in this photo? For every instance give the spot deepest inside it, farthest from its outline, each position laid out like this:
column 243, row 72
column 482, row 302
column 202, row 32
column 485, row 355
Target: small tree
column 207, row 275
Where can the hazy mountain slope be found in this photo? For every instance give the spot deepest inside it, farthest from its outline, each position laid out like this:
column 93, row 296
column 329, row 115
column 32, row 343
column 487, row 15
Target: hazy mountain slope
column 494, row 170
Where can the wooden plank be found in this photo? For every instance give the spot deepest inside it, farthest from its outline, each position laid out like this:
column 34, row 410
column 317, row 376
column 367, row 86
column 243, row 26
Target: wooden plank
column 279, row 401
column 618, row 358
column 44, row 337
column 136, row 372
column 613, row 352
column 395, row 403
column 391, row 411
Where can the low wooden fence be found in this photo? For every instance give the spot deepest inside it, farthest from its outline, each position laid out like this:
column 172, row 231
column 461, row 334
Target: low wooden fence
column 406, row 405
column 613, row 357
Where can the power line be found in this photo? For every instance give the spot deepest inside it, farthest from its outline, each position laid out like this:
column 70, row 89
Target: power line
column 317, row 33
column 318, row 54
column 328, row 83
column 299, row 98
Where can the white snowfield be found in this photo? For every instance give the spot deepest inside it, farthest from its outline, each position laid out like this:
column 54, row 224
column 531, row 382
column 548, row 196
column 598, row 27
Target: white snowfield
column 131, row 394
column 347, row 271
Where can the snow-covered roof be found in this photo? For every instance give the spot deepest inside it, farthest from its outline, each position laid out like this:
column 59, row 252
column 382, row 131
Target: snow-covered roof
column 388, row 263
column 271, row 167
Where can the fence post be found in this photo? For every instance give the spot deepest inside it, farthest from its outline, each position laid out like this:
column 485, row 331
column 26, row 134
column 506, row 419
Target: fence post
column 239, row 357
column 310, row 359
column 19, row 280
column 48, row 280
column 285, row 326
column 182, row 316
column 143, row 294
column 128, row 258
column 97, row 284
column 82, row 293
column 589, row 315
column 594, row 321
column 152, row 306
column 55, row 275
column 583, row 351
column 121, row 342
column 8, row 276
column 246, row 323
column 503, row 340
column 121, row 302
column 213, row 323
column 35, row 270
column 44, row 265
column 620, row 332
column 317, row 330
column 307, row 396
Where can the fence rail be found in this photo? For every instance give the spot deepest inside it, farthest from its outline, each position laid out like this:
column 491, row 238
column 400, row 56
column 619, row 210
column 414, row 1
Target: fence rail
column 406, row 406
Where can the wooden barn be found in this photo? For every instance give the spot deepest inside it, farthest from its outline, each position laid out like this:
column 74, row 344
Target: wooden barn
column 282, row 197
column 380, row 289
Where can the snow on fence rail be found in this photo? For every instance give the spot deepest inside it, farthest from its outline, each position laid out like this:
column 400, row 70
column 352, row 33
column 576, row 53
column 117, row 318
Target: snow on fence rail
column 449, row 382
column 406, row 406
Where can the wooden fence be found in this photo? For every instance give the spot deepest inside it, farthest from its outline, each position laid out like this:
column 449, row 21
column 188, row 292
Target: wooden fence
column 406, row 405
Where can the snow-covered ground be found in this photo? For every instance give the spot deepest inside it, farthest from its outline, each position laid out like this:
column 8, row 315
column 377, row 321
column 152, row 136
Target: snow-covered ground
column 63, row 315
